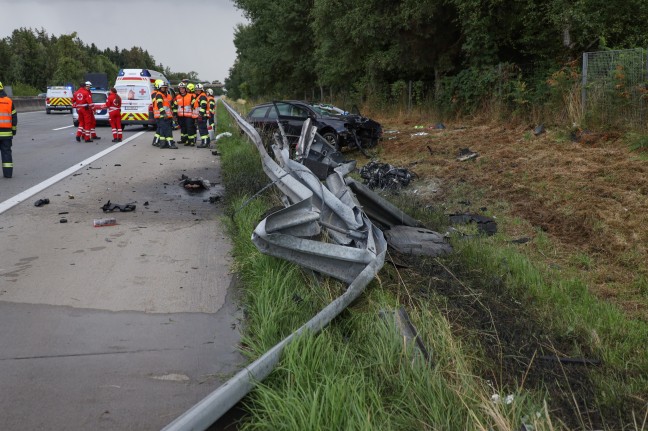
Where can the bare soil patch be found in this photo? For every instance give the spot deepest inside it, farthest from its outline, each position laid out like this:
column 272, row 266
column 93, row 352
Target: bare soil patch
column 588, row 192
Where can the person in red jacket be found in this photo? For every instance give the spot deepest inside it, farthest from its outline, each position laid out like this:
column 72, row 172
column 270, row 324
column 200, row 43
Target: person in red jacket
column 114, row 111
column 77, row 98
column 85, row 106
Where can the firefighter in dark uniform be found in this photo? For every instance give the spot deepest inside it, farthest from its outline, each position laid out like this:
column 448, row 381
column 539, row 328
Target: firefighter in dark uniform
column 162, row 112
column 200, row 114
column 190, row 121
column 8, row 124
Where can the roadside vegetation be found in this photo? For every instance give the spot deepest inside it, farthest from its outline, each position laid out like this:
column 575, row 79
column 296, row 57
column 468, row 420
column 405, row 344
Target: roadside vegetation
column 511, row 340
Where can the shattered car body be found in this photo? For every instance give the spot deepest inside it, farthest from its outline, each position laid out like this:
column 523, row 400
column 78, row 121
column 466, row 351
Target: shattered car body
column 335, row 125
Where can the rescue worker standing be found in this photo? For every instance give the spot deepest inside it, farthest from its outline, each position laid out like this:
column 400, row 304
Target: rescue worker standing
column 77, row 98
column 190, row 121
column 8, row 124
column 212, row 108
column 114, row 112
column 200, row 107
column 183, row 107
column 85, row 106
column 163, row 114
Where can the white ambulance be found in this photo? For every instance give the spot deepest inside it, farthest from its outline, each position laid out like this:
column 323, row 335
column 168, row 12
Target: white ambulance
column 135, row 86
column 58, row 98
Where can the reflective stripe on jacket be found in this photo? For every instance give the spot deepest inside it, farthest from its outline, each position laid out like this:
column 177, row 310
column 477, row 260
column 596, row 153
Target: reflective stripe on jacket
column 212, row 104
column 200, row 106
column 114, row 102
column 8, row 117
column 161, row 106
column 188, row 102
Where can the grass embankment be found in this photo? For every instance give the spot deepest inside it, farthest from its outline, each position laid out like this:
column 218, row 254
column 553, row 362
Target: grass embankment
column 491, row 320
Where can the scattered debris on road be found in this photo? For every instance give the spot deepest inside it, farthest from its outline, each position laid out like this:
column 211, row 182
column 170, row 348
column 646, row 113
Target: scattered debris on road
column 41, row 202
column 110, row 207
column 194, row 184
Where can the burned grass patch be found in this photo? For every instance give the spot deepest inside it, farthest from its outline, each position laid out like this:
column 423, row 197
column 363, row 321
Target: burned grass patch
column 518, row 347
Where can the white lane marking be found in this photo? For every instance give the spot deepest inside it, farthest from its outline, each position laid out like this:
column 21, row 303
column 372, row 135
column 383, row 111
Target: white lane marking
column 66, row 127
column 11, row 202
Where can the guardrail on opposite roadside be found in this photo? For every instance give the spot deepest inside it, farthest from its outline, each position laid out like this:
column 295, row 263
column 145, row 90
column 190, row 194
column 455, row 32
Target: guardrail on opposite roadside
column 28, row 103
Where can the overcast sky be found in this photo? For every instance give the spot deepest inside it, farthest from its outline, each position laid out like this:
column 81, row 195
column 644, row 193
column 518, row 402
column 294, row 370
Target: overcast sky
column 182, row 35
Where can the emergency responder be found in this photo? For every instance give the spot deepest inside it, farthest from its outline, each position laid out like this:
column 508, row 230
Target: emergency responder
column 163, row 114
column 200, row 107
column 77, row 98
column 85, row 108
column 113, row 103
column 212, row 108
column 8, row 124
column 190, row 121
column 181, row 109
column 93, row 120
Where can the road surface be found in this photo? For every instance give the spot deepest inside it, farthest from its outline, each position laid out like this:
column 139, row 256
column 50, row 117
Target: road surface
column 117, row 327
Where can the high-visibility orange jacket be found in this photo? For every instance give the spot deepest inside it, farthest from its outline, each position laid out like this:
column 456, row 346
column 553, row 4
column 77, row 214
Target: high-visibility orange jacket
column 200, row 105
column 161, row 105
column 8, row 117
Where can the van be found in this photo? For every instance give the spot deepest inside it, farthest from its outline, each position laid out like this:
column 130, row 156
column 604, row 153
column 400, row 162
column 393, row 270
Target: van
column 135, row 86
column 58, row 98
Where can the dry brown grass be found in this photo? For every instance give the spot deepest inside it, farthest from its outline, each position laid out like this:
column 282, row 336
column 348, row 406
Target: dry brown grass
column 590, row 197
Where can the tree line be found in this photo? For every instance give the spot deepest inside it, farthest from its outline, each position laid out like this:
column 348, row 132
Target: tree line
column 446, row 50
column 33, row 60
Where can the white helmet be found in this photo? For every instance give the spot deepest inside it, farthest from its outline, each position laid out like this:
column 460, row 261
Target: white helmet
column 210, row 91
column 88, row 84
column 199, row 86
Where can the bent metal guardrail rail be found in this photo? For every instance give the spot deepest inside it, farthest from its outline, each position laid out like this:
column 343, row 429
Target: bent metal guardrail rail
column 355, row 255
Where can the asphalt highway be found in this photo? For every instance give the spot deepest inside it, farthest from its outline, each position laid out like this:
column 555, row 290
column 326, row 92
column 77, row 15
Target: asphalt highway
column 117, row 327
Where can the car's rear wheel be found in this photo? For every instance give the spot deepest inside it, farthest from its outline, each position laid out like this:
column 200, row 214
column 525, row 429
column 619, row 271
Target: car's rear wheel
column 332, row 139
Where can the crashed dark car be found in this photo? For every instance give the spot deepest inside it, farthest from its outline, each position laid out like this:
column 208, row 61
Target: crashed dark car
column 338, row 127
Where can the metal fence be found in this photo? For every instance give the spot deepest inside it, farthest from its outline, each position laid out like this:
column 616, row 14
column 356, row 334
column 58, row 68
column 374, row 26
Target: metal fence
column 615, row 87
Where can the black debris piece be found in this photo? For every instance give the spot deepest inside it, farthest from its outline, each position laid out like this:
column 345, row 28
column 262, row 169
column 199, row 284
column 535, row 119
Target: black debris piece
column 146, row 203
column 417, row 241
column 41, row 202
column 440, row 126
column 539, row 130
column 63, row 220
column 466, row 154
column 430, row 150
column 109, row 207
column 194, row 184
column 484, row 224
column 214, row 199
column 522, row 240
column 385, row 176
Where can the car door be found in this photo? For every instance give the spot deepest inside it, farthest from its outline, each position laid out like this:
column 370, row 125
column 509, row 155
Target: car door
column 292, row 117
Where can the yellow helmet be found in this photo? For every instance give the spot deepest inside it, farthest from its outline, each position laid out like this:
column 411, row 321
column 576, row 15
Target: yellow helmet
column 190, row 87
column 1, row 86
column 159, row 84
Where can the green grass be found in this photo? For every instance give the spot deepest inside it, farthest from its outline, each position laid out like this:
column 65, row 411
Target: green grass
column 359, row 373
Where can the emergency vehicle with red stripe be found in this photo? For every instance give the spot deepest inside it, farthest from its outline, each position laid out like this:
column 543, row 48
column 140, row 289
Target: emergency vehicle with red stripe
column 135, row 87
